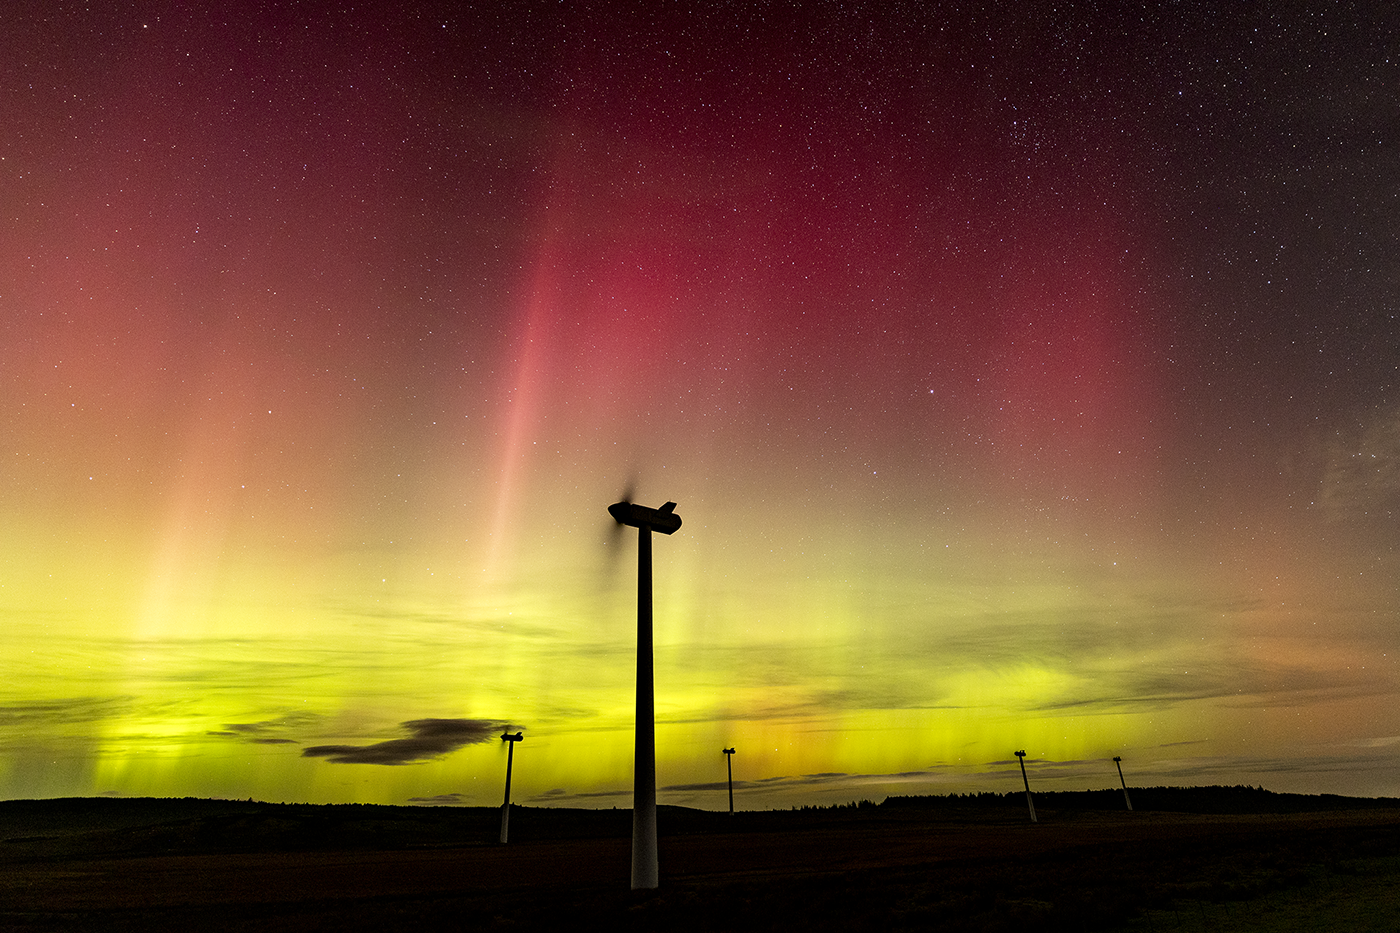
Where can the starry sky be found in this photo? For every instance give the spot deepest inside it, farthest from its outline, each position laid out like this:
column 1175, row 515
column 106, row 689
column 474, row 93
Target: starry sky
column 1027, row 377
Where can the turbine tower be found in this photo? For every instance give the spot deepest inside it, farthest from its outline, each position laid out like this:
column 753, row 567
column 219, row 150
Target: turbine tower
column 1021, row 756
column 510, row 741
column 729, row 761
column 645, row 873
column 1117, row 760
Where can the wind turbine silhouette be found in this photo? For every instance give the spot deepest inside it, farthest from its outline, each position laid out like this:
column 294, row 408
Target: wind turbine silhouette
column 1118, row 760
column 510, row 740
column 729, row 763
column 645, row 873
column 1021, row 756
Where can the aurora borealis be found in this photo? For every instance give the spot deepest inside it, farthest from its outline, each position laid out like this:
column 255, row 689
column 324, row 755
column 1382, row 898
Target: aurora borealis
column 1026, row 378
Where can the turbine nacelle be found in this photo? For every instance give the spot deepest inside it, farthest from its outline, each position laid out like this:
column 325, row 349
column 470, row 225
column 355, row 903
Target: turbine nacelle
column 664, row 519
column 518, row 737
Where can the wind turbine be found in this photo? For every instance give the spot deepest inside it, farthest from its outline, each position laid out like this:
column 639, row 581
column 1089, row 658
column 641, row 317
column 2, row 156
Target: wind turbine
column 1117, row 760
column 510, row 741
column 1021, row 756
column 729, row 761
column 645, row 873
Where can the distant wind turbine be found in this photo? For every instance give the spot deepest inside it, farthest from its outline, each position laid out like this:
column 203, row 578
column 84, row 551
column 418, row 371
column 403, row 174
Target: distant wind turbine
column 645, row 872
column 1126, row 799
column 1021, row 755
column 510, row 741
column 729, row 761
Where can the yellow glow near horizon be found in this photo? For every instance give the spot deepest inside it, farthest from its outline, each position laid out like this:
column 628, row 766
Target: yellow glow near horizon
column 807, row 686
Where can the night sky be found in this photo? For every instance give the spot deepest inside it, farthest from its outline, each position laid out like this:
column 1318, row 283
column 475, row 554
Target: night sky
column 1027, row 376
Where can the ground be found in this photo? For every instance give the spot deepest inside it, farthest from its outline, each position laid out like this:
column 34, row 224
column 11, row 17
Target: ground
column 943, row 865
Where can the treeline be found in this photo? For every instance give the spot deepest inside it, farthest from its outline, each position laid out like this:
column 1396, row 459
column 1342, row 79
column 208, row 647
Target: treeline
column 853, row 805
column 1239, row 798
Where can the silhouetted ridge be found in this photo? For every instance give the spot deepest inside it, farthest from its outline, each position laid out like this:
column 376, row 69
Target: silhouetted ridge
column 1240, row 798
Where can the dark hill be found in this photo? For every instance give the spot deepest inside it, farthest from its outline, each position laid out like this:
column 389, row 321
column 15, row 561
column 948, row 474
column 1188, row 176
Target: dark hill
column 93, row 826
column 1239, row 799
column 956, row 864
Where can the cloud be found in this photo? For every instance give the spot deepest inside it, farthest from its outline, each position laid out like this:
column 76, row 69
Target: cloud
column 1381, row 742
column 1236, row 683
column 266, row 731
column 431, row 738
column 559, row 794
column 438, row 799
column 708, row 785
column 1213, row 769
column 67, row 711
column 787, row 780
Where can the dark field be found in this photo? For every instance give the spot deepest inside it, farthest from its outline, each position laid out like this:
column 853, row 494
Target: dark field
column 1246, row 860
